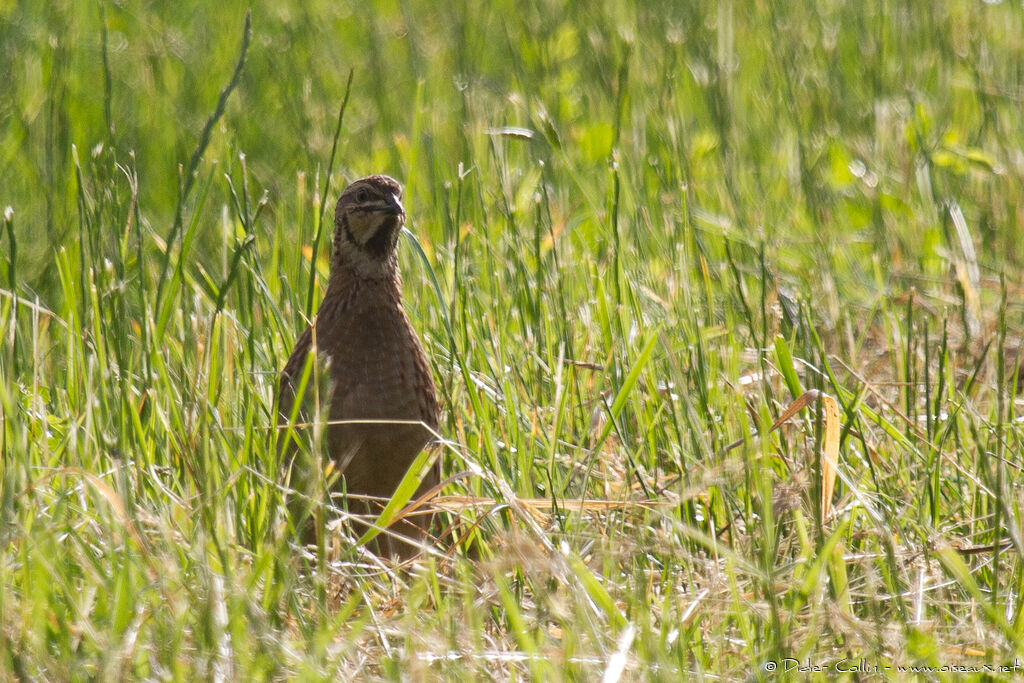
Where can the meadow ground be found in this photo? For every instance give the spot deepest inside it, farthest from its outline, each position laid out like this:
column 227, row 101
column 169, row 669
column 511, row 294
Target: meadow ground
column 639, row 233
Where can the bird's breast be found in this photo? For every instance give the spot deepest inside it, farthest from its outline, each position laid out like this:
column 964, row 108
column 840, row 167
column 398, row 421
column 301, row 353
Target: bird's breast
column 378, row 367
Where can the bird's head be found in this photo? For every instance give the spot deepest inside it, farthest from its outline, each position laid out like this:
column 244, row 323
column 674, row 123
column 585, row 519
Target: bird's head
column 367, row 220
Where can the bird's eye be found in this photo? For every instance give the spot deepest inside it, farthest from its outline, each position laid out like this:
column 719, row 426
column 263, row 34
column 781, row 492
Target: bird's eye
column 361, row 196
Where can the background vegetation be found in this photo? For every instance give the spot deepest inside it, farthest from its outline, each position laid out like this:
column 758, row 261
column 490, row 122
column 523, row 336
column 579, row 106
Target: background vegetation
column 710, row 207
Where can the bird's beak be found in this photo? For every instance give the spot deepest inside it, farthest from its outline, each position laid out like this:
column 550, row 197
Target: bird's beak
column 393, row 206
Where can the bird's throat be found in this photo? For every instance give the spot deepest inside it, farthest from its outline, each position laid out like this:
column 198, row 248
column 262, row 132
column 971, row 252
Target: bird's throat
column 383, row 241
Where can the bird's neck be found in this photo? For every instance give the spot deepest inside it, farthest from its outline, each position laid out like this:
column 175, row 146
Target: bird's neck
column 348, row 273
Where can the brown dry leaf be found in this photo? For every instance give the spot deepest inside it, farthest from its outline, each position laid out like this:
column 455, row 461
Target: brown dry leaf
column 829, row 455
column 539, row 508
column 535, row 505
column 965, row 650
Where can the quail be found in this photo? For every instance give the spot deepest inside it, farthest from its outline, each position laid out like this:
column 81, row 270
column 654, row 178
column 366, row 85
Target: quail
column 376, row 366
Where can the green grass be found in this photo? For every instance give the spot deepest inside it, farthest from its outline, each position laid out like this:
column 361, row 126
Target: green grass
column 718, row 207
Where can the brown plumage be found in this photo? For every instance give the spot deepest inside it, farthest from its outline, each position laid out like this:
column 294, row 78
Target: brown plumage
column 377, row 367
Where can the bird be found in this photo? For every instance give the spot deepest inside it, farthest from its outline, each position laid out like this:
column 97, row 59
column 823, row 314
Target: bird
column 376, row 366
